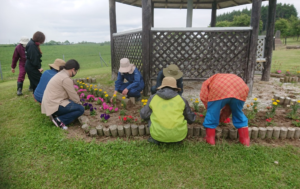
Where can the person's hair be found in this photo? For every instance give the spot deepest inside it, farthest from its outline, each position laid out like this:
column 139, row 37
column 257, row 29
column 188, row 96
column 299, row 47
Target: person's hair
column 39, row 37
column 70, row 64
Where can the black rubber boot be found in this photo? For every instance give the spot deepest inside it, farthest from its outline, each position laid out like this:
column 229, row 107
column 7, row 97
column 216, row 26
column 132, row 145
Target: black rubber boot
column 20, row 87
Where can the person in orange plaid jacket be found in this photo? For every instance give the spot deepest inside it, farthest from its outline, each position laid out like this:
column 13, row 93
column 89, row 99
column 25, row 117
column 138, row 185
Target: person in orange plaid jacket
column 225, row 93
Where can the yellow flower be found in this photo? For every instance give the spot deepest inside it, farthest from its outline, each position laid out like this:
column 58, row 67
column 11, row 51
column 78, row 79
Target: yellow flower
column 196, row 101
column 81, row 86
column 100, row 90
column 275, row 103
column 104, row 91
column 114, row 95
column 287, row 70
column 91, row 85
column 87, row 78
column 123, row 97
column 191, row 99
column 143, row 100
column 106, row 95
column 145, row 103
column 146, row 100
column 272, row 99
column 122, row 105
column 95, row 89
column 95, row 85
column 77, row 81
column 277, row 100
column 298, row 101
column 255, row 99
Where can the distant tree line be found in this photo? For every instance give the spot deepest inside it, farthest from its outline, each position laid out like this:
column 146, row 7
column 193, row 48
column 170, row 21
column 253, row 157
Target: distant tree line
column 287, row 20
column 52, row 42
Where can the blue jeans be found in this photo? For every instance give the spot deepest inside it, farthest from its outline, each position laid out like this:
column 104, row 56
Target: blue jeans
column 133, row 92
column 212, row 117
column 69, row 113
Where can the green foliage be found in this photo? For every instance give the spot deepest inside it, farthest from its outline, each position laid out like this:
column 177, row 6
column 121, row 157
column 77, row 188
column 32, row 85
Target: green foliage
column 252, row 111
column 282, row 25
column 272, row 111
column 293, row 114
column 223, row 24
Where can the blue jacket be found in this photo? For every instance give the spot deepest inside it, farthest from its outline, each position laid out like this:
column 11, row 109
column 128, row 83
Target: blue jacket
column 46, row 76
column 135, row 80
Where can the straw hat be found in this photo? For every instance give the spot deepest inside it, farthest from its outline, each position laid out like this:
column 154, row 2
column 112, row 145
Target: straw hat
column 24, row 40
column 125, row 65
column 57, row 63
column 169, row 82
column 172, row 71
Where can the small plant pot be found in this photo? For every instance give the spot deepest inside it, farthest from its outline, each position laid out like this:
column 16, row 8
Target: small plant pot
column 281, row 80
column 113, row 130
column 262, row 132
column 218, row 133
column 290, row 133
column 233, row 134
column 85, row 80
column 276, row 97
column 147, row 130
column 93, row 80
column 196, row 131
column 287, row 101
column 106, row 132
column 293, row 102
column 269, row 132
column 141, row 130
column 202, row 132
column 276, row 133
column 127, row 129
column 190, row 131
column 254, row 133
column 134, row 130
column 121, row 132
column 250, row 131
column 225, row 133
column 297, row 133
column 93, row 132
column 283, row 133
column 83, row 119
column 281, row 100
column 85, row 127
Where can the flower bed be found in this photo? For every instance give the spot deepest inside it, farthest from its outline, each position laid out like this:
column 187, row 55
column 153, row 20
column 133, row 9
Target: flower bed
column 120, row 118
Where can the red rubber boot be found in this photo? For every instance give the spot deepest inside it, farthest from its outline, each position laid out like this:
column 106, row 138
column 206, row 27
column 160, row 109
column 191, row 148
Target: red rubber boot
column 244, row 136
column 210, row 136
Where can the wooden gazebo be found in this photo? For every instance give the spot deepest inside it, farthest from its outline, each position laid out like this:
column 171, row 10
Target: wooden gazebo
column 199, row 52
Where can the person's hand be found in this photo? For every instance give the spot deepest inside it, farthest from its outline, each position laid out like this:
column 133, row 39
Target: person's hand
column 13, row 70
column 111, row 100
column 41, row 70
column 125, row 91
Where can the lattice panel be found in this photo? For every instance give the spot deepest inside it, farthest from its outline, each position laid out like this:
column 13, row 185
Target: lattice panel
column 259, row 68
column 260, row 47
column 200, row 54
column 128, row 46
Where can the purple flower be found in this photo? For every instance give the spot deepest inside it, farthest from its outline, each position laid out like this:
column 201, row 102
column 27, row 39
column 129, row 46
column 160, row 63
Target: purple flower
column 107, row 116
column 85, row 104
column 95, row 108
column 90, row 105
column 102, row 115
column 91, row 109
column 82, row 100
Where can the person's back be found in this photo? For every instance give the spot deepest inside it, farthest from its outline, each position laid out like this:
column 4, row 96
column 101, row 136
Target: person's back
column 46, row 76
column 168, row 112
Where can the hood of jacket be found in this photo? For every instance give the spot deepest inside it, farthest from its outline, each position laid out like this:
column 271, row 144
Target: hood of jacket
column 167, row 93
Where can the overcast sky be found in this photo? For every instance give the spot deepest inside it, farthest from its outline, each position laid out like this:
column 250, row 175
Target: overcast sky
column 88, row 20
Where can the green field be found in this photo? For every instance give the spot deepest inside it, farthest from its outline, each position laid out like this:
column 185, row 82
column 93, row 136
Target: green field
column 35, row 154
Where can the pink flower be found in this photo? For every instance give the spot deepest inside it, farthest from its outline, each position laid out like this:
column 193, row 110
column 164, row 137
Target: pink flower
column 90, row 96
column 81, row 90
column 76, row 87
column 82, row 95
column 110, row 108
column 116, row 109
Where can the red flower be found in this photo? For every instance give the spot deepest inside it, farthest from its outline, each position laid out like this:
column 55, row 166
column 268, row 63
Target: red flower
column 130, row 117
column 297, row 120
column 135, row 119
column 201, row 115
column 124, row 118
column 119, row 117
column 268, row 120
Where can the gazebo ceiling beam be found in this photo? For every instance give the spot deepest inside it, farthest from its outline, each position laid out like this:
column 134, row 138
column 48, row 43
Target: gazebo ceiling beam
column 195, row 3
column 234, row 2
column 134, row 2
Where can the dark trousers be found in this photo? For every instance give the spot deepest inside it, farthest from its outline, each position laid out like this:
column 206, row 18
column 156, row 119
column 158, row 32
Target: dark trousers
column 34, row 76
column 69, row 113
column 22, row 72
column 133, row 92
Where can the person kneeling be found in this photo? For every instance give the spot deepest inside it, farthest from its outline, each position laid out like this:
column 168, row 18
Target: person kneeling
column 168, row 112
column 60, row 100
column 135, row 83
column 225, row 93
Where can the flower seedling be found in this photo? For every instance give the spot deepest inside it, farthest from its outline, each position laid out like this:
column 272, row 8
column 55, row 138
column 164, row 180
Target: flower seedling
column 122, row 112
column 114, row 99
column 104, row 117
column 293, row 114
column 123, row 103
column 296, row 123
column 99, row 100
column 270, row 121
column 252, row 111
column 90, row 98
column 196, row 105
column 272, row 111
column 93, row 111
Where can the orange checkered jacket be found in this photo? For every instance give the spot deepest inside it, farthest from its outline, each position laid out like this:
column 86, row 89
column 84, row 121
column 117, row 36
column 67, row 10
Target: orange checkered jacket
column 221, row 86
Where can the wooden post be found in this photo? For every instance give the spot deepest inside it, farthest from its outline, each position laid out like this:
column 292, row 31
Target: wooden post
column 255, row 17
column 113, row 29
column 213, row 14
column 152, row 13
column 189, row 16
column 269, row 40
column 146, row 24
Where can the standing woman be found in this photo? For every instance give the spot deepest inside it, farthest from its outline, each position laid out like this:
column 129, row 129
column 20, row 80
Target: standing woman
column 19, row 55
column 60, row 101
column 33, row 59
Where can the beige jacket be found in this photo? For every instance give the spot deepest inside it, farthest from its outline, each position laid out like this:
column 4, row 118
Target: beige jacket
column 59, row 91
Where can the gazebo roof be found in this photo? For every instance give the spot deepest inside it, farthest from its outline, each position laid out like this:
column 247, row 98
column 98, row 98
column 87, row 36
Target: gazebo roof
column 182, row 4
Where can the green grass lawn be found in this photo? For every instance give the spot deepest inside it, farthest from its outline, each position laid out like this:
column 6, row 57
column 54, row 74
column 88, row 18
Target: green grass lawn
column 36, row 154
